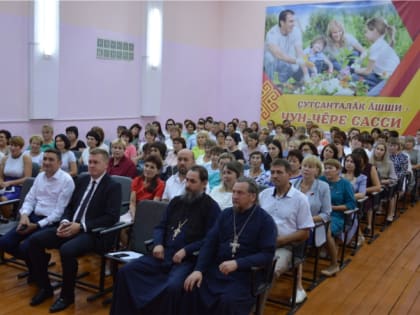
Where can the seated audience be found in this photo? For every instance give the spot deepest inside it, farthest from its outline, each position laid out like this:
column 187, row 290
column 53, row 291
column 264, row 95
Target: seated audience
column 35, row 143
column 95, row 203
column 174, row 132
column 222, row 194
column 316, row 136
column 387, row 176
column 401, row 165
column 47, row 137
column 214, row 169
column 251, row 146
column 5, row 136
column 275, row 151
column 221, row 139
column 307, row 148
column 72, row 133
column 221, row 280
column 171, row 158
column 175, row 184
column 256, row 170
column 102, row 145
column 119, row 164
column 342, row 199
column 135, row 130
column 68, row 159
column 294, row 221
column 205, row 159
column 92, row 140
column 198, row 150
column 352, row 171
column 318, row 194
column 43, row 207
column 154, row 284
column 14, row 169
column 295, row 159
column 148, row 186
column 330, row 151
column 232, row 147
column 160, row 136
column 130, row 149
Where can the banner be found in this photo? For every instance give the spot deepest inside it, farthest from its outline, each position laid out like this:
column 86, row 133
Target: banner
column 350, row 64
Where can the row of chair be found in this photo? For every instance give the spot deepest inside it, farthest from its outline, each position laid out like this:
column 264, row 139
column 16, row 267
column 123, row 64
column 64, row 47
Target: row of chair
column 148, row 214
column 309, row 252
column 104, row 234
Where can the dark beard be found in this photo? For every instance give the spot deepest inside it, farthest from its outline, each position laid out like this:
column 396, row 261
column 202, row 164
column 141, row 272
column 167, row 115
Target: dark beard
column 190, row 197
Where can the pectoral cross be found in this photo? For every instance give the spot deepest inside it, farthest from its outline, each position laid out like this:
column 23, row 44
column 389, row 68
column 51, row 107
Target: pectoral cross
column 178, row 229
column 235, row 245
column 176, row 232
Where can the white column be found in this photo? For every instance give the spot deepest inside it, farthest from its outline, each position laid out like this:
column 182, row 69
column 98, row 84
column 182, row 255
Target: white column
column 44, row 60
column 152, row 61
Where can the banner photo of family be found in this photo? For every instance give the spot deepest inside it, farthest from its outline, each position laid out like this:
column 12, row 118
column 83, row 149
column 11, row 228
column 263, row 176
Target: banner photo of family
column 350, row 64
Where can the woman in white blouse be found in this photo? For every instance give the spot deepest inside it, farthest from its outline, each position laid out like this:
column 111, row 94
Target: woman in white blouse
column 222, row 194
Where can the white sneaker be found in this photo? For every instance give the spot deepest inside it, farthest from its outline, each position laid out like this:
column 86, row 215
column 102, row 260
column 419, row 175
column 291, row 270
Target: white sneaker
column 300, row 296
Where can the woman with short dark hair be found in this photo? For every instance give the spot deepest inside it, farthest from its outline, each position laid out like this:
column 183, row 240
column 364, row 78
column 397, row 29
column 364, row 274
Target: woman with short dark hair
column 68, row 159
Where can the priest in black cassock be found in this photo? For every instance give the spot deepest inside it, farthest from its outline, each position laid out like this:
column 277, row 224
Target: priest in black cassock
column 154, row 284
column 243, row 236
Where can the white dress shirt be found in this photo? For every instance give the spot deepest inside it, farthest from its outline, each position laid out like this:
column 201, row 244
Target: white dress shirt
column 49, row 196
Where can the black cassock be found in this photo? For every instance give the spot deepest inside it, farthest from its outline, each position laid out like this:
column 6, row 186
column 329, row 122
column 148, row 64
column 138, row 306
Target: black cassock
column 152, row 286
column 231, row 294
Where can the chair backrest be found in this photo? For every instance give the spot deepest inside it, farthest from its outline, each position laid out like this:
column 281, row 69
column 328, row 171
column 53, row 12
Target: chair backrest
column 126, row 191
column 77, row 154
column 298, row 253
column 35, row 169
column 25, row 189
column 148, row 215
column 319, row 234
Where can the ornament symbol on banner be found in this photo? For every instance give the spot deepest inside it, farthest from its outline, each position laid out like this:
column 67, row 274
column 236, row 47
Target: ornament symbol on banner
column 269, row 99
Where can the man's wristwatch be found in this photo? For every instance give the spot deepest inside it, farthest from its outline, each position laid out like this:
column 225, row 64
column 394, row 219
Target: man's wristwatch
column 82, row 228
column 38, row 226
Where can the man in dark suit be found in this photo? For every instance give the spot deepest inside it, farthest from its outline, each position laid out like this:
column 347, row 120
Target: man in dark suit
column 95, row 203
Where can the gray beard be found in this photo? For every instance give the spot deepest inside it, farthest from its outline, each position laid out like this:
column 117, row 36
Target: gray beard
column 190, row 197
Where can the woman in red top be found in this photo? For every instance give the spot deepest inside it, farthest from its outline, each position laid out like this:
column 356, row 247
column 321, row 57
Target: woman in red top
column 148, row 186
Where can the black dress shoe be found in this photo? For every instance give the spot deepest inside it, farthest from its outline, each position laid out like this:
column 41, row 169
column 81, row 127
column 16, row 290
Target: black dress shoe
column 61, row 304
column 41, row 296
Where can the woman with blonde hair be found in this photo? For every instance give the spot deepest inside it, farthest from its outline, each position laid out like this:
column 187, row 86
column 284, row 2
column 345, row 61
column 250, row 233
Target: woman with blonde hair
column 318, row 194
column 35, row 143
column 199, row 149
column 338, row 41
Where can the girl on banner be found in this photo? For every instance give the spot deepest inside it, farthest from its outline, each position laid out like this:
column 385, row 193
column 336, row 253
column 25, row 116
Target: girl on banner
column 383, row 59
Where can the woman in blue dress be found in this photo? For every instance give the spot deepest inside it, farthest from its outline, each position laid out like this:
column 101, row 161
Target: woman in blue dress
column 342, row 199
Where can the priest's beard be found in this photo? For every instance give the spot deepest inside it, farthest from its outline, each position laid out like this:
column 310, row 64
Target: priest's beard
column 190, row 197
